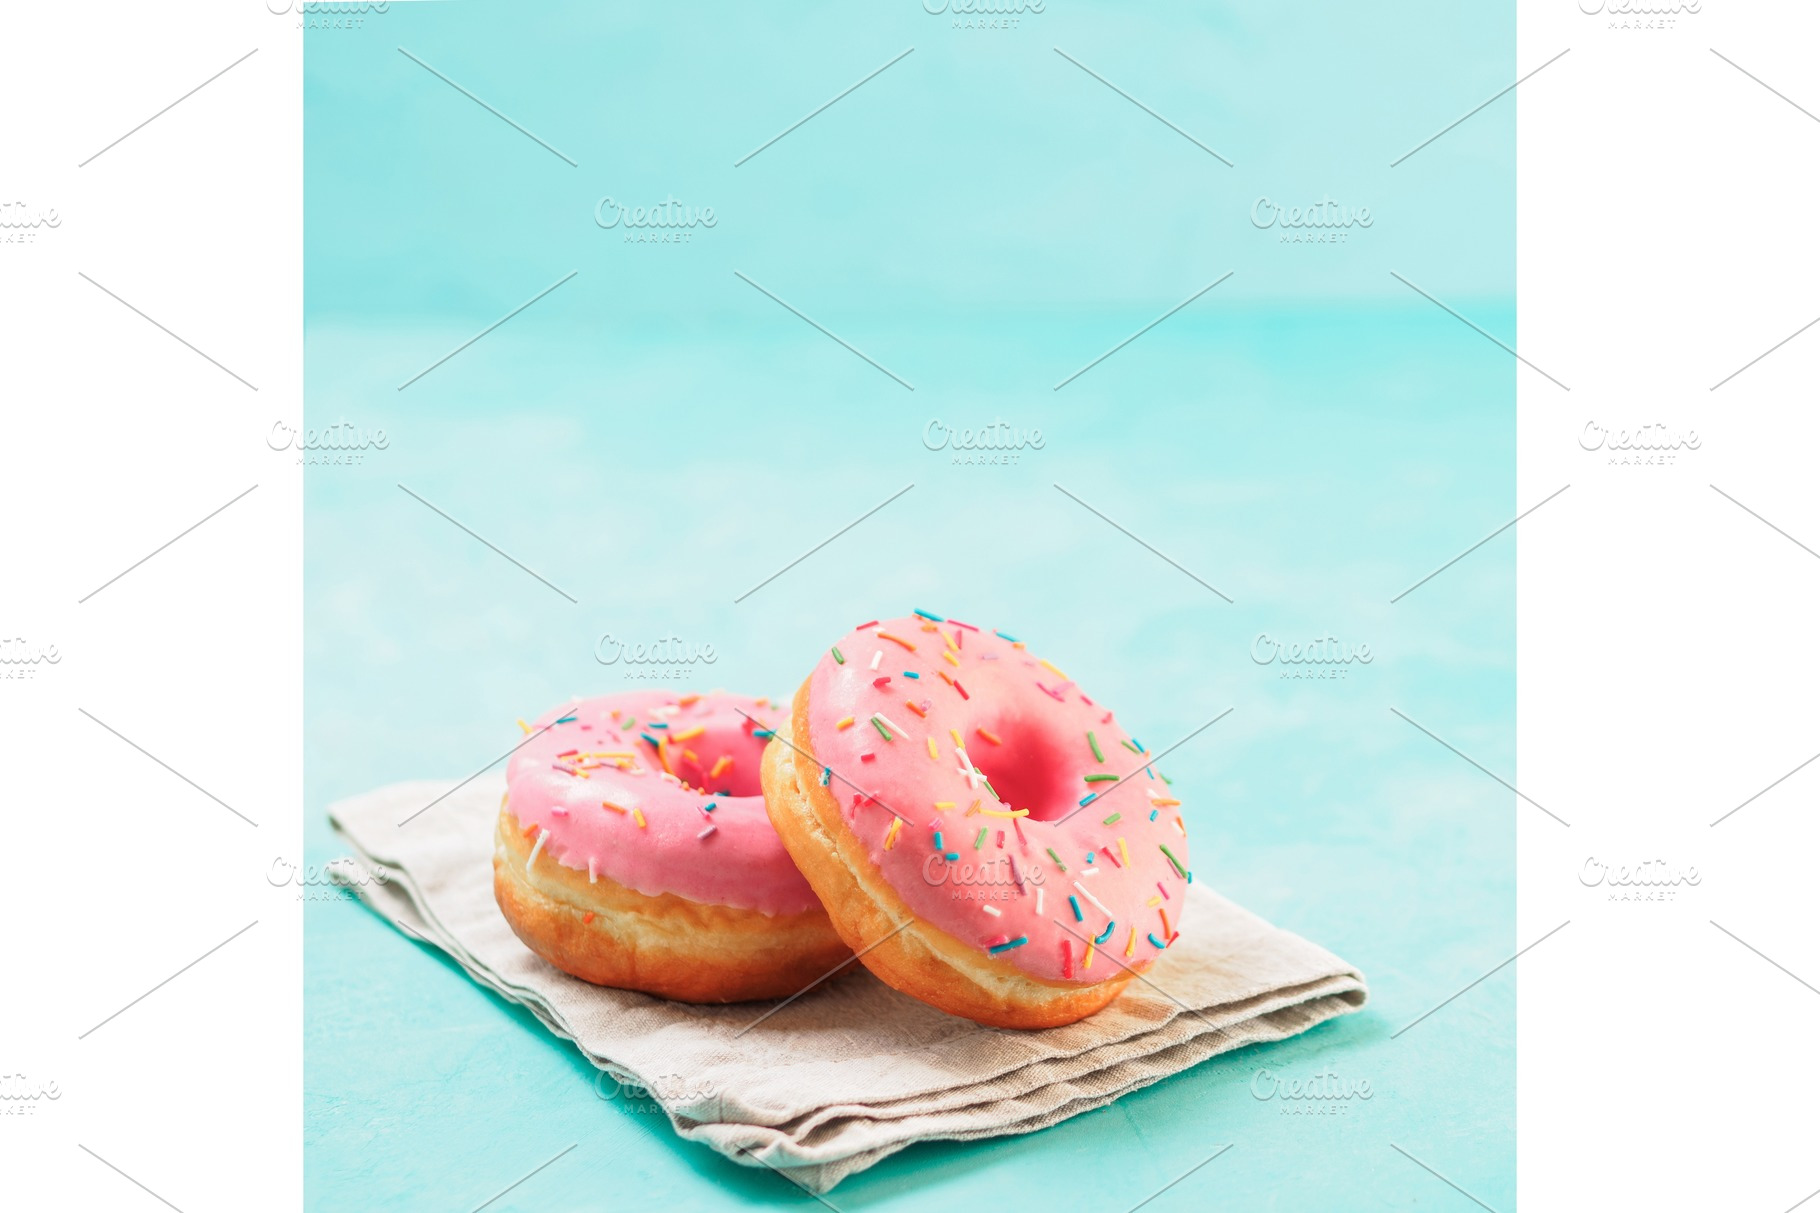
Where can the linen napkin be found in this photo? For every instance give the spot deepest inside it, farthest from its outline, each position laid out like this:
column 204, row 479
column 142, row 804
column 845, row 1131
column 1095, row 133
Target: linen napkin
column 851, row 1072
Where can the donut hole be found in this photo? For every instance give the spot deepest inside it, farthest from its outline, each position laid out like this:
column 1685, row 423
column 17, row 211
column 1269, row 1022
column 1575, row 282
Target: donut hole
column 697, row 761
column 1030, row 768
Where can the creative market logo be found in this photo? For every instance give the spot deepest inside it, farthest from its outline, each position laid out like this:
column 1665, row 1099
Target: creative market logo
column 327, row 14
column 983, row 14
column 21, row 659
column 668, row 222
column 342, row 444
column 657, row 660
column 1323, row 222
column 999, row 444
column 1652, row 445
column 23, row 1095
column 1325, row 657
column 1325, row 1094
column 332, row 881
column 697, row 1096
column 994, row 879
column 1651, row 880
column 1635, row 15
column 21, row 222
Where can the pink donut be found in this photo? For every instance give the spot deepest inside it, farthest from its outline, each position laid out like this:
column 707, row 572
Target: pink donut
column 939, row 774
column 633, row 850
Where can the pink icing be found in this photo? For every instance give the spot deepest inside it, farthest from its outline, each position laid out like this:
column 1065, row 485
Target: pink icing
column 600, row 752
column 974, row 682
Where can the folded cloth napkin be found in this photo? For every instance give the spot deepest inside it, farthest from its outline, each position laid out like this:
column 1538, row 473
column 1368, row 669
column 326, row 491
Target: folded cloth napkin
column 851, row 1072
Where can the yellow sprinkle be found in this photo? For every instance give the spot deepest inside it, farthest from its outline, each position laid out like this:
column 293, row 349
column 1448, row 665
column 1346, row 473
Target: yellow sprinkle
column 952, row 659
column 956, row 734
column 1087, row 961
column 934, row 756
column 1004, row 812
column 891, row 834
column 720, row 764
column 1123, row 853
column 524, row 726
column 608, row 804
column 639, row 817
column 949, row 641
column 1131, row 942
column 1052, row 669
column 1154, row 901
column 845, row 722
column 689, row 734
column 944, row 804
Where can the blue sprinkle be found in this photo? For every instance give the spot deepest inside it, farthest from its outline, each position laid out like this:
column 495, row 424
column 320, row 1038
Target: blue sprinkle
column 938, row 840
column 1103, row 936
column 1076, row 903
column 1019, row 942
column 951, row 857
column 1154, row 941
column 565, row 719
column 1002, row 636
column 929, row 617
column 911, row 674
column 649, row 738
column 1153, row 814
column 1090, row 857
column 1089, row 798
column 764, row 734
column 656, row 724
column 827, row 772
column 708, row 808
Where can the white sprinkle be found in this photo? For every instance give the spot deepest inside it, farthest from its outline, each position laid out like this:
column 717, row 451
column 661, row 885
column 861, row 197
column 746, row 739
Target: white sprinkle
column 1090, row 897
column 1039, row 900
column 543, row 836
column 891, row 724
column 992, row 910
column 706, row 832
column 590, row 869
column 877, row 657
column 1090, row 870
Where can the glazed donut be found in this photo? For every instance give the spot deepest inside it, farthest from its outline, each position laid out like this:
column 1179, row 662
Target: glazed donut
column 633, row 851
column 940, row 776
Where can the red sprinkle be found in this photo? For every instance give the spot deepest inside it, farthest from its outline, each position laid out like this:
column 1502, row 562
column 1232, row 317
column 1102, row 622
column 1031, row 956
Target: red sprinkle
column 962, row 690
column 879, row 682
column 957, row 623
column 1067, row 960
column 868, row 756
column 871, row 623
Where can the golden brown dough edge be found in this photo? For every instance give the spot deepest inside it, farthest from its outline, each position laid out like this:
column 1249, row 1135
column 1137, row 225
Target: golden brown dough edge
column 921, row 960
column 665, row 945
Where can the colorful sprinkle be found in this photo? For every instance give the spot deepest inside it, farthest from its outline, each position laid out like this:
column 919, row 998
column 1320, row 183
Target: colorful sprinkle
column 1131, row 942
column 1057, row 858
column 952, row 659
column 929, row 617
column 1173, row 861
column 720, row 765
column 524, row 726
column 607, row 804
column 992, row 910
column 1019, row 942
column 689, row 734
column 979, row 839
column 1067, row 960
column 1002, row 636
column 1106, row 821
column 1154, row 941
column 706, row 832
column 891, row 834
column 827, row 774
column 543, row 836
column 1103, row 936
column 838, row 659
column 846, row 722
column 989, row 735
column 880, row 726
column 1089, row 798
column 1087, row 961
column 896, row 639
column 1162, row 890
column 1097, row 903
column 1101, row 778
column 1094, row 744
column 934, row 754
column 912, row 674
column 914, row 708
column 639, row 817
column 1074, row 903
column 1122, row 850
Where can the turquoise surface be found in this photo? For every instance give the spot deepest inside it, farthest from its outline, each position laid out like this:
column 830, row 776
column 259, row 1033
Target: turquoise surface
column 655, row 437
